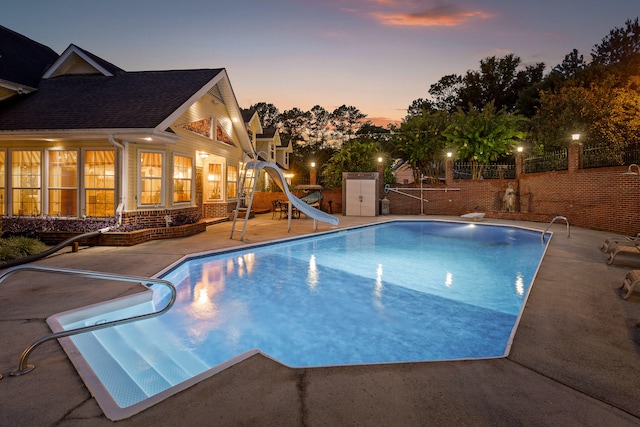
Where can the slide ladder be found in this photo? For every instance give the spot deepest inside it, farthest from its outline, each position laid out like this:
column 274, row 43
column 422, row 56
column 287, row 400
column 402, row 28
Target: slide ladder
column 248, row 181
column 248, row 185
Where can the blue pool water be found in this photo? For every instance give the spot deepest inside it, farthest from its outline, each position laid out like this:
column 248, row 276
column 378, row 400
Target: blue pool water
column 395, row 292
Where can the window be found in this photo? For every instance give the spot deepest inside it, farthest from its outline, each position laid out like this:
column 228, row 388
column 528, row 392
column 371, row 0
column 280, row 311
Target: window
column 99, row 182
column 2, row 182
column 182, row 176
column 201, row 127
column 151, row 178
column 25, row 180
column 232, row 182
column 214, row 181
column 63, row 183
column 223, row 131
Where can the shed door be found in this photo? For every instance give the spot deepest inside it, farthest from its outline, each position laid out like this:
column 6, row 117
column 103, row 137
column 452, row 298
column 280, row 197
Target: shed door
column 360, row 197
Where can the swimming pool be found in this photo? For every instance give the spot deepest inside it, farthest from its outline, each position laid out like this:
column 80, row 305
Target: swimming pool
column 401, row 291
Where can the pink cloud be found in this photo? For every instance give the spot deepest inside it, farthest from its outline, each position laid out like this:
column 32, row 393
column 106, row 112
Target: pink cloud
column 438, row 15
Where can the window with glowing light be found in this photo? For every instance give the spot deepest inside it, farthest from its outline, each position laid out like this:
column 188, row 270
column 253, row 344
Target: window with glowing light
column 222, row 135
column 63, row 183
column 232, row 182
column 151, row 169
column 214, row 181
column 99, row 182
column 182, row 178
column 26, row 176
column 201, row 127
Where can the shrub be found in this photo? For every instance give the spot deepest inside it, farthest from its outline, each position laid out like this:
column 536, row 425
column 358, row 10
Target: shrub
column 33, row 226
column 19, row 247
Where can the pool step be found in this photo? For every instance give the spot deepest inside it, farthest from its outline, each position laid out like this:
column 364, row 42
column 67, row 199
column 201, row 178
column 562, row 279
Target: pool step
column 124, row 390
column 153, row 368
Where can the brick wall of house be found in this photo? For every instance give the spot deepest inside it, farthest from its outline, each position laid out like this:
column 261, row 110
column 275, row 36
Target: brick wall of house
column 217, row 210
column 156, row 218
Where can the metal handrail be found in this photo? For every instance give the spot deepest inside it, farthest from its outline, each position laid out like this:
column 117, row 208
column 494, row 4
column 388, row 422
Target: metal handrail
column 23, row 366
column 551, row 223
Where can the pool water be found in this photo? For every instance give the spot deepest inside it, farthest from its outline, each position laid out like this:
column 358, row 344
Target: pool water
column 401, row 291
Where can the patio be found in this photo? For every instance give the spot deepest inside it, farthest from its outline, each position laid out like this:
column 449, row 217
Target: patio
column 573, row 361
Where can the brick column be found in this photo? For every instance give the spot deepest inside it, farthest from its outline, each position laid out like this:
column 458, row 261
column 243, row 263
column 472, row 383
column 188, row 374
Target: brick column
column 574, row 154
column 380, row 169
column 448, row 171
column 313, row 177
column 519, row 164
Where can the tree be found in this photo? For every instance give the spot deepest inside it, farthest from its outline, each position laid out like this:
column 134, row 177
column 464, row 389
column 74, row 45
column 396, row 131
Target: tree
column 498, row 81
column 318, row 126
column 418, row 106
column 619, row 45
column 293, row 125
column 346, row 121
column 420, row 142
column 483, row 136
column 268, row 114
column 445, row 92
column 572, row 64
column 607, row 111
column 359, row 155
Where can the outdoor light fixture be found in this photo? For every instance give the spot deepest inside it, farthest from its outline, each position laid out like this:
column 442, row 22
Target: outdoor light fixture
column 575, row 137
column 630, row 172
column 520, row 149
column 313, row 164
column 449, row 154
column 203, row 155
column 379, row 159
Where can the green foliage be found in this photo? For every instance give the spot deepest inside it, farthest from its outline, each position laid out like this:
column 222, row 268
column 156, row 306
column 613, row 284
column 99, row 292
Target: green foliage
column 606, row 113
column 19, row 247
column 499, row 80
column 359, row 155
column 483, row 136
column 421, row 143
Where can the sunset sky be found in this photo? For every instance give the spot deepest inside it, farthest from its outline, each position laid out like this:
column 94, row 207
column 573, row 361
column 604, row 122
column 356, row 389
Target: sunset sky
column 376, row 55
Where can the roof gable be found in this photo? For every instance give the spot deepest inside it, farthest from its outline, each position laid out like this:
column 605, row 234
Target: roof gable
column 75, row 60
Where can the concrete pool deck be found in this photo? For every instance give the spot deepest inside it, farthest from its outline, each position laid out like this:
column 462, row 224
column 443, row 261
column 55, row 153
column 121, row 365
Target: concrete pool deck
column 574, row 360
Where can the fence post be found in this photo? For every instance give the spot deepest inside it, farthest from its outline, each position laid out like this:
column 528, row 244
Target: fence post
column 448, row 170
column 574, row 154
column 519, row 164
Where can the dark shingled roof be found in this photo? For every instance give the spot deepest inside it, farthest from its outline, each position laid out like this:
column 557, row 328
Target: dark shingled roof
column 267, row 133
column 17, row 67
column 126, row 100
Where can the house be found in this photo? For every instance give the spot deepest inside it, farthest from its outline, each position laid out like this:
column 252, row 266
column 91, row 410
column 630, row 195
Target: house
column 80, row 137
column 269, row 146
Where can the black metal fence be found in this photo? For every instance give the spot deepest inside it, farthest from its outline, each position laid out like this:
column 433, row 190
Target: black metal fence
column 598, row 156
column 491, row 171
column 550, row 161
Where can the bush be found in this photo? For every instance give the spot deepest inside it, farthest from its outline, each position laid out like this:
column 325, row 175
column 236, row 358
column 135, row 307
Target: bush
column 33, row 226
column 19, row 247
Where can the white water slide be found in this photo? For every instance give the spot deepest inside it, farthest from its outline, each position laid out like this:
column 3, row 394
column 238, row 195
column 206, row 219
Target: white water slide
column 276, row 174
